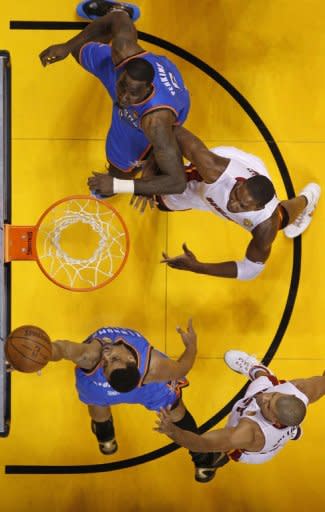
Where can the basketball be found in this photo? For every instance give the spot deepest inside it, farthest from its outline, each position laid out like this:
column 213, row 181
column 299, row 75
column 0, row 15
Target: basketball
column 28, row 348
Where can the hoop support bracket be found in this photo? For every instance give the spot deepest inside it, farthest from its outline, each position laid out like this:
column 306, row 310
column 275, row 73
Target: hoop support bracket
column 19, row 243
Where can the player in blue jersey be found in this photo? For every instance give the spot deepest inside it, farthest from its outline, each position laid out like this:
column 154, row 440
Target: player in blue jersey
column 118, row 365
column 149, row 98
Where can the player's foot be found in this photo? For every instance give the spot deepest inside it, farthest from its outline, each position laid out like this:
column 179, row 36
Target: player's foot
column 204, row 474
column 109, row 447
column 97, row 8
column 311, row 193
column 106, row 447
column 241, row 362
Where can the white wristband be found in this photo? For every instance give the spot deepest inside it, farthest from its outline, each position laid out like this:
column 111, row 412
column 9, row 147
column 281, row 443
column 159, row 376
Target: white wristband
column 123, row 186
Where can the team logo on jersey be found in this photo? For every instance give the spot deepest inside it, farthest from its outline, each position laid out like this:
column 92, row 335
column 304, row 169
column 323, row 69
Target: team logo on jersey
column 216, row 207
column 247, row 223
column 131, row 116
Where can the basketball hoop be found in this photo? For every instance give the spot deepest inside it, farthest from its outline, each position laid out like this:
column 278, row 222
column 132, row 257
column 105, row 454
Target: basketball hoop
column 80, row 243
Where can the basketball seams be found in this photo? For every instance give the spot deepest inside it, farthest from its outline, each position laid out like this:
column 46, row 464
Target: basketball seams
column 13, row 337
column 12, row 346
column 28, row 348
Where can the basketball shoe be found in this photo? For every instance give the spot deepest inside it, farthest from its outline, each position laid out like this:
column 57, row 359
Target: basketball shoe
column 106, row 447
column 243, row 363
column 97, row 8
column 206, row 472
column 311, row 193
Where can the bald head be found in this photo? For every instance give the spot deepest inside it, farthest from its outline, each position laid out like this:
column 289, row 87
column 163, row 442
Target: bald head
column 290, row 410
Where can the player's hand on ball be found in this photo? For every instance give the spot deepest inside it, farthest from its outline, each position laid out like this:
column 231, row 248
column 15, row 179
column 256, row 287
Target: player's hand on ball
column 186, row 261
column 54, row 53
column 140, row 202
column 101, row 183
column 164, row 422
column 189, row 337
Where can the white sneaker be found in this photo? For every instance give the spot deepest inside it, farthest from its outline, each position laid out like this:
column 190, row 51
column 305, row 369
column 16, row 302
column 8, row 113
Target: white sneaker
column 241, row 362
column 312, row 193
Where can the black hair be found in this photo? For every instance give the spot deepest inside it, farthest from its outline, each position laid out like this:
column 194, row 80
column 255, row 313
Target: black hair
column 140, row 69
column 261, row 189
column 125, row 379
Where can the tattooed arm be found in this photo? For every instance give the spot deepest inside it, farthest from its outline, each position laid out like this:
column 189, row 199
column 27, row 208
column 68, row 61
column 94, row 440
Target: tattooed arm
column 158, row 127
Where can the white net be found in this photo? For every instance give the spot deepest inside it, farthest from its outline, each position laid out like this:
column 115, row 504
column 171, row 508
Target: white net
column 82, row 243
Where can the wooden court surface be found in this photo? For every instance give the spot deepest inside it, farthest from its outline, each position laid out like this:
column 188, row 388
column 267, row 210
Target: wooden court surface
column 272, row 52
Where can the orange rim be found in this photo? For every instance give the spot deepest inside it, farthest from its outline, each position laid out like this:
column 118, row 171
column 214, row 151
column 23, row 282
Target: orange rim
column 127, row 243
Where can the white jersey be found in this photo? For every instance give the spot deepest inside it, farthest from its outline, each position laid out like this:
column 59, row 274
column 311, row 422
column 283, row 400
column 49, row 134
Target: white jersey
column 275, row 438
column 214, row 197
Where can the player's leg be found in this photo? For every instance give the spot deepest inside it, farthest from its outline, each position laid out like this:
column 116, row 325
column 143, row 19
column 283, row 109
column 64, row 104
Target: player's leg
column 93, row 9
column 259, row 375
column 300, row 210
column 206, row 464
column 103, row 428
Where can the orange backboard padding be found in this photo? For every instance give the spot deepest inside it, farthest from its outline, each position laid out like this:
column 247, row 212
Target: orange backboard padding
column 20, row 242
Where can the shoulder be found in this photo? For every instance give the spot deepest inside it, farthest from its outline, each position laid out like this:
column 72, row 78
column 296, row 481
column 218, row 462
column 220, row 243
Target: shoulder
column 248, row 435
column 92, row 55
column 267, row 230
column 158, row 117
column 157, row 362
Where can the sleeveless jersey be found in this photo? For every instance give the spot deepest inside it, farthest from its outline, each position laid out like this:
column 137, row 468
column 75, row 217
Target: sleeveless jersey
column 275, row 438
column 214, row 197
column 94, row 389
column 126, row 142
column 169, row 91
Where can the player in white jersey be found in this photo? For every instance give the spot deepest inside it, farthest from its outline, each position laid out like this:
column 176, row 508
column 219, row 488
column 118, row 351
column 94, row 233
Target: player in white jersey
column 235, row 185
column 261, row 423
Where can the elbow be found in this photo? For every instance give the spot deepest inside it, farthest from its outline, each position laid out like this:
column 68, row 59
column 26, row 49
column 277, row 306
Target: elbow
column 179, row 186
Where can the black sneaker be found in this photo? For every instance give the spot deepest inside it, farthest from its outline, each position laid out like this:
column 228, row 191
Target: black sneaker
column 205, row 473
column 106, row 447
column 96, row 8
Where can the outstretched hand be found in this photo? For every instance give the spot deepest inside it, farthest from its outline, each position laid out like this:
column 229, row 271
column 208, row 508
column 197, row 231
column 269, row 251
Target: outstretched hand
column 101, row 183
column 189, row 337
column 54, row 53
column 164, row 422
column 140, row 202
column 186, row 261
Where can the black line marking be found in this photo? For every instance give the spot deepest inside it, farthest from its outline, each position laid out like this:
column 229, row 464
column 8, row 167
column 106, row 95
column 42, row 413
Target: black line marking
column 48, row 25
column 295, row 274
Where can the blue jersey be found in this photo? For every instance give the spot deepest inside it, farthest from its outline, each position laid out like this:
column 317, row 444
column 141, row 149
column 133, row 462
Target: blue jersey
column 126, row 143
column 94, row 389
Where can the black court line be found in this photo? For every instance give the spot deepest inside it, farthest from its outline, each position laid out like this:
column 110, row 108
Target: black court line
column 295, row 272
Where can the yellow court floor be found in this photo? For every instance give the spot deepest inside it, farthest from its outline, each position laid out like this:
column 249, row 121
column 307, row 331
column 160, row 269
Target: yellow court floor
column 272, row 52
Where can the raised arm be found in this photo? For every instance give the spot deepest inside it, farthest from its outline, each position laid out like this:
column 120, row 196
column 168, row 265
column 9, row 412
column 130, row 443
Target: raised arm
column 158, row 127
column 163, row 369
column 251, row 266
column 84, row 355
column 313, row 388
column 209, row 165
column 115, row 27
column 221, row 440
